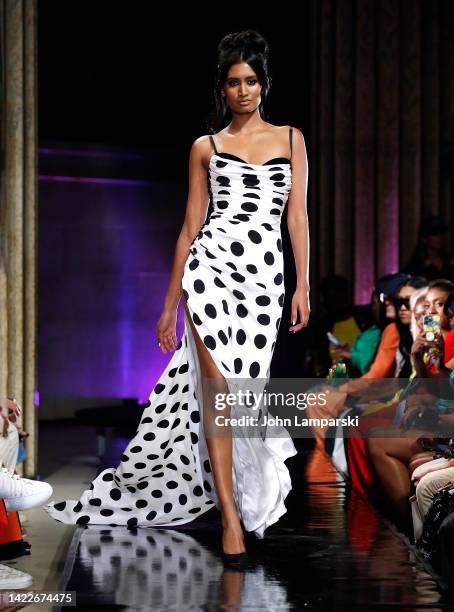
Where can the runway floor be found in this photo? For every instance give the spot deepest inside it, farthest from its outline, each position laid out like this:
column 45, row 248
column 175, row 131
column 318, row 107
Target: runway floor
column 331, row 551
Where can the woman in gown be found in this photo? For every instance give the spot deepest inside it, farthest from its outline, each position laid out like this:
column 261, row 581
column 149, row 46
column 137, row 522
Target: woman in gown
column 228, row 267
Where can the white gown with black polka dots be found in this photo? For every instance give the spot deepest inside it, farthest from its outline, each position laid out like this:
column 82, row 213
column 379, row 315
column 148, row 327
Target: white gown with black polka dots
column 233, row 283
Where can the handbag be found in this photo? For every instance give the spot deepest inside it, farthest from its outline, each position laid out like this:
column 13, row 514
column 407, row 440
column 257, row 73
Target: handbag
column 442, row 506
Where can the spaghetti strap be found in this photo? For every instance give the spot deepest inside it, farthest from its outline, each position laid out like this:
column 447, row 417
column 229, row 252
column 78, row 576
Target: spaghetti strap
column 291, row 139
column 214, row 144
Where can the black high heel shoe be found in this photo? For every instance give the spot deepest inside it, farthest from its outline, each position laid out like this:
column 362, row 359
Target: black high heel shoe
column 235, row 559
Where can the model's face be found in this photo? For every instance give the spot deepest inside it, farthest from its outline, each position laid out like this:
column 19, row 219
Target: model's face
column 435, row 301
column 242, row 89
column 419, row 312
column 403, row 304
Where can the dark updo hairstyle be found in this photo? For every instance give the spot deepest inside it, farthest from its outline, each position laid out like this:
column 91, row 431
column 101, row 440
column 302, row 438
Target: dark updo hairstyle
column 443, row 284
column 246, row 46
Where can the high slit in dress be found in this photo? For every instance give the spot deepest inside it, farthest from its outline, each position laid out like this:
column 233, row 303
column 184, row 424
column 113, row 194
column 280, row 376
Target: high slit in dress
column 233, row 284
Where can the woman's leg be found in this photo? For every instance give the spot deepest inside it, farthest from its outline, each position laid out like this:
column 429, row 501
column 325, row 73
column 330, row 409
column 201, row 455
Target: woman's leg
column 220, row 451
column 419, row 459
column 390, row 458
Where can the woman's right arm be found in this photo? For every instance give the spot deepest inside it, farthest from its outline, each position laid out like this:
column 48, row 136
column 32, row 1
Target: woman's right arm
column 196, row 210
column 423, row 368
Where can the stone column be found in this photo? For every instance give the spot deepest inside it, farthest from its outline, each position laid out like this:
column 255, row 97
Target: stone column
column 18, row 209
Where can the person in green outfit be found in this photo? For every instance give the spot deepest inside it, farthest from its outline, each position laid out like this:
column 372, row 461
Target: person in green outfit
column 361, row 355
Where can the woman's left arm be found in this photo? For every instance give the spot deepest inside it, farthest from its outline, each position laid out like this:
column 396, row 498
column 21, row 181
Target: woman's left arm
column 298, row 227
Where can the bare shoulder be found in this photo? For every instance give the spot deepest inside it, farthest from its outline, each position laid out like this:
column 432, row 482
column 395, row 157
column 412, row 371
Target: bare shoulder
column 201, row 150
column 298, row 137
column 283, row 130
column 201, row 145
column 298, row 144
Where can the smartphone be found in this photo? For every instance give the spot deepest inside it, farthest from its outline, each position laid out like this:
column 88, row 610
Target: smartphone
column 431, row 326
column 332, row 338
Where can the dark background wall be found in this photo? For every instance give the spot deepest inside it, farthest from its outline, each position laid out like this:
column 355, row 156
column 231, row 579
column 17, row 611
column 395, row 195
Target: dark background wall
column 121, row 73
column 124, row 91
column 122, row 95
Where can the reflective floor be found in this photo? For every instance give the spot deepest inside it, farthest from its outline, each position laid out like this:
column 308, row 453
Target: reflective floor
column 331, row 551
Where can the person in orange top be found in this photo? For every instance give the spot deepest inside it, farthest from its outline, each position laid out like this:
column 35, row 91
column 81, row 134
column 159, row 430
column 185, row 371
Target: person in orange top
column 384, row 364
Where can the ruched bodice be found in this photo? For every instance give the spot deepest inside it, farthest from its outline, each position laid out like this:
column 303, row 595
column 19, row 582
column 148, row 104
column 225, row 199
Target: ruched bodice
column 249, row 193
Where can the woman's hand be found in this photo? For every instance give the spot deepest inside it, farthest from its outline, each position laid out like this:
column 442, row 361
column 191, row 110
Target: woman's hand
column 417, row 404
column 422, row 345
column 411, row 413
column 341, row 352
column 9, row 407
column 166, row 330
column 301, row 306
column 421, row 358
column 9, row 411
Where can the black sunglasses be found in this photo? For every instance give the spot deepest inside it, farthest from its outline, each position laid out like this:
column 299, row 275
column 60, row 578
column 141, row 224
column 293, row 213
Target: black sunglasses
column 403, row 302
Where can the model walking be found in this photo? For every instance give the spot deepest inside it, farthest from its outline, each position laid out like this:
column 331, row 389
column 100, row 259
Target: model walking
column 228, row 267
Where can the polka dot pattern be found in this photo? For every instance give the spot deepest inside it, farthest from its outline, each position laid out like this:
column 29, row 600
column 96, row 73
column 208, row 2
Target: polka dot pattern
column 234, row 287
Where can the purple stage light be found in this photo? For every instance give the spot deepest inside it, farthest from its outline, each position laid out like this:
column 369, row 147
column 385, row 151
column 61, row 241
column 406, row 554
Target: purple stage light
column 105, row 253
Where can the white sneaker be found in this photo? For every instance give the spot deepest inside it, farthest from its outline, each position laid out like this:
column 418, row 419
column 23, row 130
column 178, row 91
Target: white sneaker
column 11, row 578
column 21, row 493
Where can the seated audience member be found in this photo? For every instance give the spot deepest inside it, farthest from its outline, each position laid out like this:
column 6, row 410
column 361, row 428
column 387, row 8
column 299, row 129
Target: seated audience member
column 17, row 493
column 446, row 348
column 362, row 353
column 433, row 512
column 393, row 354
column 384, row 364
column 383, row 412
column 384, row 314
column 391, row 456
column 431, row 475
column 418, row 308
column 428, row 356
column 429, row 478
